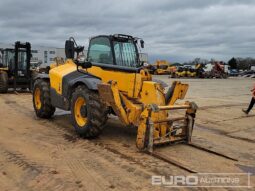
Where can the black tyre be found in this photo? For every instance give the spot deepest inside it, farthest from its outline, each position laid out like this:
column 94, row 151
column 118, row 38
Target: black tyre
column 89, row 114
column 42, row 100
column 3, row 82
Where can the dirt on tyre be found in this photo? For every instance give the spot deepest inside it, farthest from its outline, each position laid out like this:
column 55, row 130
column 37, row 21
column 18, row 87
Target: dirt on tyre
column 3, row 82
column 41, row 99
column 89, row 114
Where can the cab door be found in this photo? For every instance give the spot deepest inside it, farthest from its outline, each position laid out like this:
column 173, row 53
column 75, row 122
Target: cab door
column 111, row 64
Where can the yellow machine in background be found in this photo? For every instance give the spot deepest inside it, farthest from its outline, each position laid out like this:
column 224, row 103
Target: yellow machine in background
column 161, row 67
column 112, row 81
column 191, row 73
column 171, row 69
column 181, row 72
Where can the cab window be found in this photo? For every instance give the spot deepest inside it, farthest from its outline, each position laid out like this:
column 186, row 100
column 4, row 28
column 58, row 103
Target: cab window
column 125, row 53
column 100, row 51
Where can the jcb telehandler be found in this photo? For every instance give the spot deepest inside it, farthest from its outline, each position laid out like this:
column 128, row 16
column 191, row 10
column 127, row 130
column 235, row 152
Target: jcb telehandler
column 112, row 81
column 15, row 67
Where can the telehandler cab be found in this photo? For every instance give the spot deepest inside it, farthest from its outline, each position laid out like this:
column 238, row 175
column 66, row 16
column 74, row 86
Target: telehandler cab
column 112, row 81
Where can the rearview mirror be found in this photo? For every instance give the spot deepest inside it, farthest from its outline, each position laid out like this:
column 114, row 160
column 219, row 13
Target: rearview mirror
column 69, row 49
column 142, row 43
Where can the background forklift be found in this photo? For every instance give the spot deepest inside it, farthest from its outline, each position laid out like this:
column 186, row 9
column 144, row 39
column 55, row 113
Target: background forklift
column 15, row 67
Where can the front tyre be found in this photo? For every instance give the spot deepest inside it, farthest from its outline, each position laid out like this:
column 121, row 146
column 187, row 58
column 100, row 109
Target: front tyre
column 3, row 82
column 41, row 99
column 89, row 114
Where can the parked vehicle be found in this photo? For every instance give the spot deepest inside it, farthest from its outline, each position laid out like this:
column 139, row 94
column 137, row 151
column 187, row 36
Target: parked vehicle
column 233, row 72
column 247, row 73
column 15, row 70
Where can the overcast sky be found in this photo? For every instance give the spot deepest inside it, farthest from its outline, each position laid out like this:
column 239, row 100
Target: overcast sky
column 177, row 30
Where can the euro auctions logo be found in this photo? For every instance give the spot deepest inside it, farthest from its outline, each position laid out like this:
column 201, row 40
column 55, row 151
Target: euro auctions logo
column 175, row 180
column 238, row 180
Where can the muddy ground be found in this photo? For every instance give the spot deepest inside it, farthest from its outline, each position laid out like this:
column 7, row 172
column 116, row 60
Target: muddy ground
column 38, row 154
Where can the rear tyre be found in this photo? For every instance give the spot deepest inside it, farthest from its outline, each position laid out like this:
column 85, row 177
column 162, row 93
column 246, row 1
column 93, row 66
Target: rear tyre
column 89, row 114
column 41, row 99
column 3, row 82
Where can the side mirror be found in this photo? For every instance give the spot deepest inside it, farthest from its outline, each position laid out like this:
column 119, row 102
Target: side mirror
column 142, row 43
column 69, row 49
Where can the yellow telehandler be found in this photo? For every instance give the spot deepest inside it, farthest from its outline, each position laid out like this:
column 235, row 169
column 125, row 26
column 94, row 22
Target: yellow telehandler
column 112, row 81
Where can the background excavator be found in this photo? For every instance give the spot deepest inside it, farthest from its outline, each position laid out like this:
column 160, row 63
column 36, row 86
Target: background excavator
column 112, row 81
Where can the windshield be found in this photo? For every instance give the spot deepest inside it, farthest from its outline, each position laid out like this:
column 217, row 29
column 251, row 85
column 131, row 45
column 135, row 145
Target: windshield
column 8, row 58
column 125, row 53
column 100, row 51
column 22, row 60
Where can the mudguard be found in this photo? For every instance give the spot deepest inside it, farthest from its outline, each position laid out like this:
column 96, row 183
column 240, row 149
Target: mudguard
column 75, row 78
column 69, row 83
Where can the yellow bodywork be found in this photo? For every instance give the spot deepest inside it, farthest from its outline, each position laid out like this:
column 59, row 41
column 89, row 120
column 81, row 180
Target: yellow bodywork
column 58, row 72
column 132, row 97
column 4, row 69
column 179, row 92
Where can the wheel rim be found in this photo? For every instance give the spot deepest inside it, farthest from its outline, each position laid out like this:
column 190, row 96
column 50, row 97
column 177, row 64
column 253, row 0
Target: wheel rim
column 79, row 103
column 37, row 98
